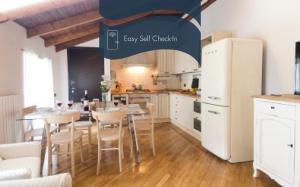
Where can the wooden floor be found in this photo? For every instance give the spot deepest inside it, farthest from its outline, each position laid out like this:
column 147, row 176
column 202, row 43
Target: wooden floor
column 180, row 161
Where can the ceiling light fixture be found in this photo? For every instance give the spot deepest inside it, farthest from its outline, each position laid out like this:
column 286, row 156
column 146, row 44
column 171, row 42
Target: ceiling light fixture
column 15, row 4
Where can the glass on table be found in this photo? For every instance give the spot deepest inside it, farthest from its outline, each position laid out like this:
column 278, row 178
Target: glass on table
column 70, row 104
column 59, row 104
column 116, row 102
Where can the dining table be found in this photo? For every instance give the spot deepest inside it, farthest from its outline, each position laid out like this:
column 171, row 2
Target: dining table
column 130, row 111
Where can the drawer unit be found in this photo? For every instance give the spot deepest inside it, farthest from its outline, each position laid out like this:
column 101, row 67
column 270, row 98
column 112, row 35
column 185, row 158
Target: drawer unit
column 276, row 109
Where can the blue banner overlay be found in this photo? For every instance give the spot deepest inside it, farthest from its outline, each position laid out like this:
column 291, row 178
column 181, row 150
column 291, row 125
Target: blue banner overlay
column 150, row 33
column 118, row 9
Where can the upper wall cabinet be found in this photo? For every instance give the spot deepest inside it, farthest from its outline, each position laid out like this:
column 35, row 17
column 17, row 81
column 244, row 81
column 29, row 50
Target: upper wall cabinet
column 165, row 62
column 185, row 63
column 215, row 36
column 177, row 62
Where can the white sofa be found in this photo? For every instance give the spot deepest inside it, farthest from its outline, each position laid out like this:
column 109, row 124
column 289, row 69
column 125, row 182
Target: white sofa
column 28, row 155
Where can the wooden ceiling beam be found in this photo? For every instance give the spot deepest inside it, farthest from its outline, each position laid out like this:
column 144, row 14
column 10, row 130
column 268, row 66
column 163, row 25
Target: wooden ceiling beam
column 140, row 16
column 77, row 41
column 37, row 8
column 207, row 4
column 48, row 28
column 68, row 36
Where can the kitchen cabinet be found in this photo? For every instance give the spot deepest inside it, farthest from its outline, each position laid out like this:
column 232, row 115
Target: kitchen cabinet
column 215, row 36
column 184, row 63
column 165, row 62
column 161, row 102
column 275, row 139
column 181, row 111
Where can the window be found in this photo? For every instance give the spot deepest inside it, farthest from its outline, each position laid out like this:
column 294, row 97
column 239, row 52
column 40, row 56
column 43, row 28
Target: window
column 38, row 80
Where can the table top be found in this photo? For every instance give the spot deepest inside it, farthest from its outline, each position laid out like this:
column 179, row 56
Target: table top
column 131, row 109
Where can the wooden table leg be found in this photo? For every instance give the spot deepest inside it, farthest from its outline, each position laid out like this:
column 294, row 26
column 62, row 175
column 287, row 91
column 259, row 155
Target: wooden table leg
column 134, row 139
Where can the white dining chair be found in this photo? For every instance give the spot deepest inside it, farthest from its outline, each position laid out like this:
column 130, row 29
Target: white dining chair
column 145, row 127
column 28, row 130
column 86, row 126
column 115, row 133
column 70, row 138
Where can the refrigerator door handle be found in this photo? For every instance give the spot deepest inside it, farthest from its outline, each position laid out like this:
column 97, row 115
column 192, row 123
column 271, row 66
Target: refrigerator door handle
column 213, row 112
column 214, row 98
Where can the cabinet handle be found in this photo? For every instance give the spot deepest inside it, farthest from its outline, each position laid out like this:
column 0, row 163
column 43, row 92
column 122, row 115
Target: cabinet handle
column 291, row 145
column 213, row 112
column 272, row 107
column 214, row 98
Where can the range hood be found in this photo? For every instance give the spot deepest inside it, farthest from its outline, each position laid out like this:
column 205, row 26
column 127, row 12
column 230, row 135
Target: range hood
column 137, row 60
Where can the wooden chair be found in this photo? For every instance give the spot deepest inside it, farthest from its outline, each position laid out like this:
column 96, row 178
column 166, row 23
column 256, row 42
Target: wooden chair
column 86, row 126
column 63, row 138
column 146, row 127
column 109, row 134
column 28, row 130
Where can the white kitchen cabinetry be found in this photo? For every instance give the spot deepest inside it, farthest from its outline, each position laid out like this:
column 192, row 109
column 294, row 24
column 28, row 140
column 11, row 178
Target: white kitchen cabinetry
column 161, row 102
column 165, row 62
column 215, row 36
column 275, row 140
column 181, row 111
column 184, row 63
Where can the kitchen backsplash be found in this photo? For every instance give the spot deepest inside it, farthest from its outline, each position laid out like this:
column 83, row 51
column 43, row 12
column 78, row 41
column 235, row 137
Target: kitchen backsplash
column 142, row 75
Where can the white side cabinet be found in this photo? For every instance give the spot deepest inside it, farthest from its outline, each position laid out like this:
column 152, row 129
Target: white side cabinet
column 275, row 141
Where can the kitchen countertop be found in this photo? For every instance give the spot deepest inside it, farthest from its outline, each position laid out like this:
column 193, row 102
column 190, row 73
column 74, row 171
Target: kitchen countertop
column 281, row 98
column 185, row 94
column 157, row 92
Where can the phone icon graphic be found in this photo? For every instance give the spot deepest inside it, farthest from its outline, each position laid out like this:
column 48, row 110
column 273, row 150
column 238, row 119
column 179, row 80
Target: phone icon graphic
column 112, row 40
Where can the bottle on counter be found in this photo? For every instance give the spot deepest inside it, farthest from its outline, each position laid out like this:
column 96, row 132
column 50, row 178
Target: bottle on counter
column 86, row 101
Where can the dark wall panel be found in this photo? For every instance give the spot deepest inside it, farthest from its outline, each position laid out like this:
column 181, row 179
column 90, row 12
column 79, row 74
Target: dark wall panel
column 85, row 66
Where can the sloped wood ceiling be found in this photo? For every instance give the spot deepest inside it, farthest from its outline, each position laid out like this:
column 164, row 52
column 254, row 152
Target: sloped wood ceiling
column 66, row 23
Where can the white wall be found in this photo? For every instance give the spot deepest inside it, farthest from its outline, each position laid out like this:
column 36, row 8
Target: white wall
column 275, row 22
column 61, row 76
column 12, row 40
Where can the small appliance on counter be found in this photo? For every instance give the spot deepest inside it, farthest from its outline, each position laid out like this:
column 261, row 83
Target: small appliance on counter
column 196, row 84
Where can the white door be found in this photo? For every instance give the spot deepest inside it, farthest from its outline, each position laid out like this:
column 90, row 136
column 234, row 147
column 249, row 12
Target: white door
column 216, row 130
column 216, row 73
column 276, row 145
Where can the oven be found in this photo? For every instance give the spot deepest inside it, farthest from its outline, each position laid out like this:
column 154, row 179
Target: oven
column 197, row 107
column 197, row 116
column 141, row 99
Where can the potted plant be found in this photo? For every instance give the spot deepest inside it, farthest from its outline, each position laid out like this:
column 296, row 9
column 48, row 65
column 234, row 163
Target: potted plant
column 105, row 87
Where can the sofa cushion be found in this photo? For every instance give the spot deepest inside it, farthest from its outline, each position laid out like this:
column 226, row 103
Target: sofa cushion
column 32, row 163
column 60, row 180
column 13, row 174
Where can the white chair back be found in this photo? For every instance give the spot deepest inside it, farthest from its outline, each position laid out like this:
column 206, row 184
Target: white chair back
column 104, row 117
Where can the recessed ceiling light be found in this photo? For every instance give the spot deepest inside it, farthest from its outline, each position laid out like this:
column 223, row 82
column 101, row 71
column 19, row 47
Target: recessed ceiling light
column 15, row 4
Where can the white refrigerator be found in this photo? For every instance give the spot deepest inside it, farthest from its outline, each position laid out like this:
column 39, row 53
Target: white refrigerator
column 231, row 75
